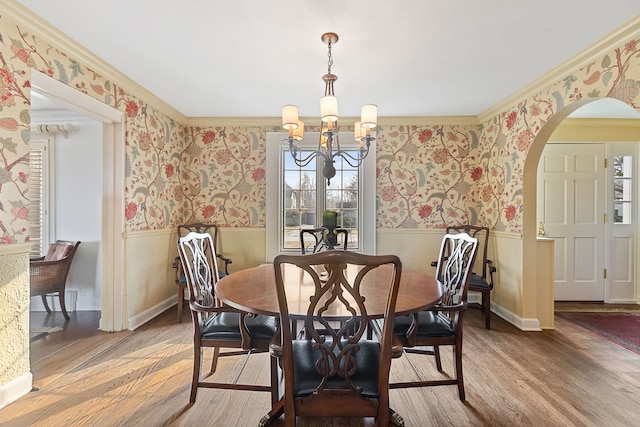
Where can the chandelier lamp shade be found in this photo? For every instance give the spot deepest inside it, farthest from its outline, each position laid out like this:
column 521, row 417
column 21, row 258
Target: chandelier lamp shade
column 329, row 142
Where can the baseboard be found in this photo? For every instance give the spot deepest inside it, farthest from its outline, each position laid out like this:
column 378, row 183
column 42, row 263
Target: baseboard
column 145, row 316
column 515, row 320
column 527, row 325
column 70, row 301
column 622, row 301
column 15, row 389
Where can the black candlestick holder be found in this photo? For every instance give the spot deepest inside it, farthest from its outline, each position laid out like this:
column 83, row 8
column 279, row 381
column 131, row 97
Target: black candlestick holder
column 330, row 238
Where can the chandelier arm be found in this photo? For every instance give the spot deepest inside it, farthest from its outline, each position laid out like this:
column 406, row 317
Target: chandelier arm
column 304, row 162
column 347, row 157
column 297, row 157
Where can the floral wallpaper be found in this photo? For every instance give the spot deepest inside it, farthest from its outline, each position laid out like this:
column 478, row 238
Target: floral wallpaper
column 223, row 177
column 152, row 161
column 14, row 138
column 427, row 175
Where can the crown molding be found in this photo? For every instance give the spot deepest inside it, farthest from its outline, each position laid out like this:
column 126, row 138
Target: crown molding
column 382, row 121
column 429, row 120
column 21, row 15
column 592, row 53
column 234, row 121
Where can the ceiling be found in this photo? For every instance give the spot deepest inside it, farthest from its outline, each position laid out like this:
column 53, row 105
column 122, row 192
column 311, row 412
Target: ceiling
column 247, row 58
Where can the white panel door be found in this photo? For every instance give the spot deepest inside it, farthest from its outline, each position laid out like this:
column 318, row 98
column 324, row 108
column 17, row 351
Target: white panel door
column 571, row 206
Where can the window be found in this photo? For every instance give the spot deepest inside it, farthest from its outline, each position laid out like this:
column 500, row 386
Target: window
column 622, row 187
column 39, row 186
column 306, row 195
column 297, row 196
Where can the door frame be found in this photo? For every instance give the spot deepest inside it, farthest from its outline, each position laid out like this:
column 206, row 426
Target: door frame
column 113, row 256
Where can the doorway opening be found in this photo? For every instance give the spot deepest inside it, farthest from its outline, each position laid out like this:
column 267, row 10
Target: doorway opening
column 111, row 251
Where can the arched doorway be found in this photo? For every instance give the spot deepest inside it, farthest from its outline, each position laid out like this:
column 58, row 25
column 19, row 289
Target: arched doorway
column 530, row 227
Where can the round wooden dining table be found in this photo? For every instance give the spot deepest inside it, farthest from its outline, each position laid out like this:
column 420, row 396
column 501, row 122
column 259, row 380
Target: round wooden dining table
column 254, row 290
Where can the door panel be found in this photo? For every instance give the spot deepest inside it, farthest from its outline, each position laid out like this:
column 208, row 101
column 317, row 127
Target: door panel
column 623, row 270
column 585, row 260
column 571, row 204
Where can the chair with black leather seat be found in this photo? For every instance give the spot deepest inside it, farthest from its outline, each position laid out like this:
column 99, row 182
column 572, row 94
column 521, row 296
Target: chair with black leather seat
column 482, row 281
column 336, row 372
column 48, row 274
column 223, row 261
column 216, row 325
column 441, row 325
column 314, row 240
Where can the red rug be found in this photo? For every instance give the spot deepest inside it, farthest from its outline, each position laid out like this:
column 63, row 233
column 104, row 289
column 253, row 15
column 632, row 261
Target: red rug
column 620, row 328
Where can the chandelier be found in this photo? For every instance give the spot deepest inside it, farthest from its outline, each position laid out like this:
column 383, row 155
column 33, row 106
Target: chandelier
column 329, row 141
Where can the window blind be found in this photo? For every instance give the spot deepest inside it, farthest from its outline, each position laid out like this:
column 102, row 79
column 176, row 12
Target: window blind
column 37, row 209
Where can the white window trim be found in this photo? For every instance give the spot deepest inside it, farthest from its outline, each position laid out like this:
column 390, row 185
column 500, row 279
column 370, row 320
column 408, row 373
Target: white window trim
column 275, row 144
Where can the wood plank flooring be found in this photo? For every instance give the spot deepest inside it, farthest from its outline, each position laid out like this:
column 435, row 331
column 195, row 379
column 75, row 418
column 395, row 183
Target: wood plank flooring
column 565, row 377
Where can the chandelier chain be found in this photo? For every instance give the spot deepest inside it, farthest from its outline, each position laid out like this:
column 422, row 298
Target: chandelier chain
column 330, row 62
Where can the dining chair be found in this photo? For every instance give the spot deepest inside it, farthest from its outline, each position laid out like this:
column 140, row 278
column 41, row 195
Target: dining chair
column 315, row 239
column 223, row 261
column 216, row 325
column 482, row 281
column 331, row 372
column 441, row 325
column 48, row 274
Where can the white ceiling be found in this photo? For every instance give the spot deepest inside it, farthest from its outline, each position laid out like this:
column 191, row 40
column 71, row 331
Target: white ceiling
column 247, row 58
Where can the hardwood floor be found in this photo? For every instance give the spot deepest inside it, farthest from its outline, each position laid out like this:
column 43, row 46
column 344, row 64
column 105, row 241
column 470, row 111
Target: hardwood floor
column 565, row 377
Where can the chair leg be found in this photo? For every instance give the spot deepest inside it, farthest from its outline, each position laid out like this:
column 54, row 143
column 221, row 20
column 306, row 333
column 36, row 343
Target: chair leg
column 289, row 419
column 436, row 353
column 384, row 413
column 46, row 305
column 273, row 365
column 458, row 364
column 63, row 306
column 197, row 358
column 214, row 361
column 180, row 301
column 486, row 307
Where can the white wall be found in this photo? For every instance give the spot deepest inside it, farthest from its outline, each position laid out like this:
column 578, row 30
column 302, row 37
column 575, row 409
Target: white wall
column 78, row 207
